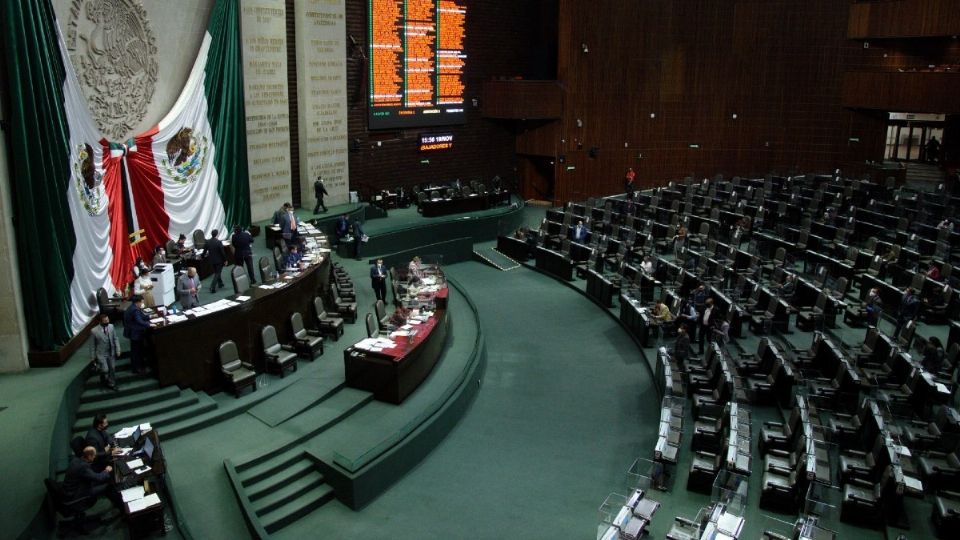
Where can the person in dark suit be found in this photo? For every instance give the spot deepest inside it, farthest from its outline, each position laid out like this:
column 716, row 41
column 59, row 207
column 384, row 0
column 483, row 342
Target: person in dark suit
column 217, row 256
column 357, row 237
column 378, row 279
column 289, row 226
column 909, row 309
column 579, row 233
column 104, row 443
column 243, row 250
column 319, row 191
column 681, row 347
column 135, row 327
column 342, row 228
column 292, row 260
column 104, row 350
column 188, row 289
column 82, row 480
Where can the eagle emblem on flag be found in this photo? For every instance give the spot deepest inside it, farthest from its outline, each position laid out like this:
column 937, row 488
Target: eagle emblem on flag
column 88, row 180
column 186, row 156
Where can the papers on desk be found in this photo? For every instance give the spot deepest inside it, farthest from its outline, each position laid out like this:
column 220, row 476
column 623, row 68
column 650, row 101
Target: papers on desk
column 129, row 430
column 375, row 344
column 142, row 504
column 156, row 320
column 132, row 494
column 275, row 285
column 133, row 464
column 242, row 298
column 729, row 524
column 143, row 470
column 913, row 484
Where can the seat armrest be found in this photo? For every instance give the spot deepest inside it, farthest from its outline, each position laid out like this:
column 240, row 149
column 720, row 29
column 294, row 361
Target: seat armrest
column 854, row 453
column 780, row 470
column 773, row 424
column 314, row 333
column 248, row 365
column 779, row 453
column 861, row 483
column 288, row 347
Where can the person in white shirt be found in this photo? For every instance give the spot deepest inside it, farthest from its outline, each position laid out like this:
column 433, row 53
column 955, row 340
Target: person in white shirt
column 414, row 269
column 705, row 322
column 143, row 286
column 647, row 266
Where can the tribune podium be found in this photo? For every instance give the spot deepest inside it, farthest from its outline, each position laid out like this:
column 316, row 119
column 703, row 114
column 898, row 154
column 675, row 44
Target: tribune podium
column 164, row 286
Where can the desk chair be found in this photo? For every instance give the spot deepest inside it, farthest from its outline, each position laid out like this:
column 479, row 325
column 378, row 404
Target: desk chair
column 329, row 325
column 240, row 279
column 237, row 372
column 279, row 357
column 71, row 508
column 199, row 240
column 373, row 329
column 307, row 342
column 267, row 271
column 171, row 248
column 112, row 307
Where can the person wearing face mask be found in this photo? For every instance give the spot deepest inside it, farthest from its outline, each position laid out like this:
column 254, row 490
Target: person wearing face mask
column 288, row 225
column 143, row 286
column 104, row 350
column 159, row 255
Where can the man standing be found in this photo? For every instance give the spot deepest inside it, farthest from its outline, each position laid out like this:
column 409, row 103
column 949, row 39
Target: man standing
column 909, row 308
column 217, row 257
column 288, row 226
column 378, row 279
column 357, row 237
column 83, row 481
column 135, row 326
column 243, row 250
column 104, row 349
column 188, row 289
column 342, row 228
column 579, row 233
column 681, row 347
column 705, row 322
column 319, row 190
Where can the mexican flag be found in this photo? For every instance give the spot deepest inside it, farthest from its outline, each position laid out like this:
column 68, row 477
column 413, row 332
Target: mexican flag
column 124, row 198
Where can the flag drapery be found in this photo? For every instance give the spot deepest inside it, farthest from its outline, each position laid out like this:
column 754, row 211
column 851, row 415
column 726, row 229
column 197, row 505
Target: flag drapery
column 108, row 202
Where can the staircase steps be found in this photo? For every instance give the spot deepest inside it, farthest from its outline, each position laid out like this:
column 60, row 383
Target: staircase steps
column 185, row 404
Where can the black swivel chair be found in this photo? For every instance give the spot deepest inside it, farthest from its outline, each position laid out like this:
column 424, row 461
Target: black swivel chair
column 71, row 508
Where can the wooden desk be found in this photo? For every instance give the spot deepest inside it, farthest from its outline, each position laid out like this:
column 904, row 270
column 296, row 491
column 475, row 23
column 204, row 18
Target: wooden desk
column 187, row 352
column 554, row 263
column 393, row 374
column 445, row 207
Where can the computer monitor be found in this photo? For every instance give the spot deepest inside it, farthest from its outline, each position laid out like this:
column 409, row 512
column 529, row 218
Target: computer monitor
column 136, row 435
column 148, row 448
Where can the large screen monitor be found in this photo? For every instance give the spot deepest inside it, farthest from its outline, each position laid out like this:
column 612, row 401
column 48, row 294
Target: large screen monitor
column 417, row 61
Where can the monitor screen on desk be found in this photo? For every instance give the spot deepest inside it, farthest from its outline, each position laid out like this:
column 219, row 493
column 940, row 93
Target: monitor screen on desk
column 148, row 448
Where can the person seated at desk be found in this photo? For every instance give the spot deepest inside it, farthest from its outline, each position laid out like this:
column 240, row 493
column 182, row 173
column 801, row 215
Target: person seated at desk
column 909, row 309
column 933, row 356
column 890, row 256
column 81, row 480
column 182, row 249
column 398, row 318
column 579, row 233
column 933, row 272
column 159, row 255
column 415, row 269
column 788, row 287
column 293, row 258
column 143, row 286
column 342, row 228
column 188, row 289
column 661, row 313
column 873, row 306
column 946, row 224
column 101, row 441
column 647, row 266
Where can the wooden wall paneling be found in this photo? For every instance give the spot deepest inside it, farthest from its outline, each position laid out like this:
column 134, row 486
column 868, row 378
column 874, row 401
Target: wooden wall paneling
column 522, row 100
column 905, row 92
column 904, row 18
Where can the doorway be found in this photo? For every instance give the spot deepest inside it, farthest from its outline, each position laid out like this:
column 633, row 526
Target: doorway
column 909, row 137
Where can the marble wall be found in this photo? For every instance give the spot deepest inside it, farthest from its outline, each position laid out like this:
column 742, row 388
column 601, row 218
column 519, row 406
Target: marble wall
column 264, row 34
column 13, row 336
column 322, row 97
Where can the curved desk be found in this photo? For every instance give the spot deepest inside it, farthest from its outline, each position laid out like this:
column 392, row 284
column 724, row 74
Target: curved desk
column 394, row 373
column 186, row 352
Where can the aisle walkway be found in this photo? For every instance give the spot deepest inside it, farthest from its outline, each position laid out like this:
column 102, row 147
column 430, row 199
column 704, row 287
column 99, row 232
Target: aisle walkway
column 565, row 404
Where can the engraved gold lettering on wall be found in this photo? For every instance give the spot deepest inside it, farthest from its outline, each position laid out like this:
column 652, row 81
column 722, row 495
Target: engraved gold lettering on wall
column 114, row 53
column 322, row 95
column 263, row 29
